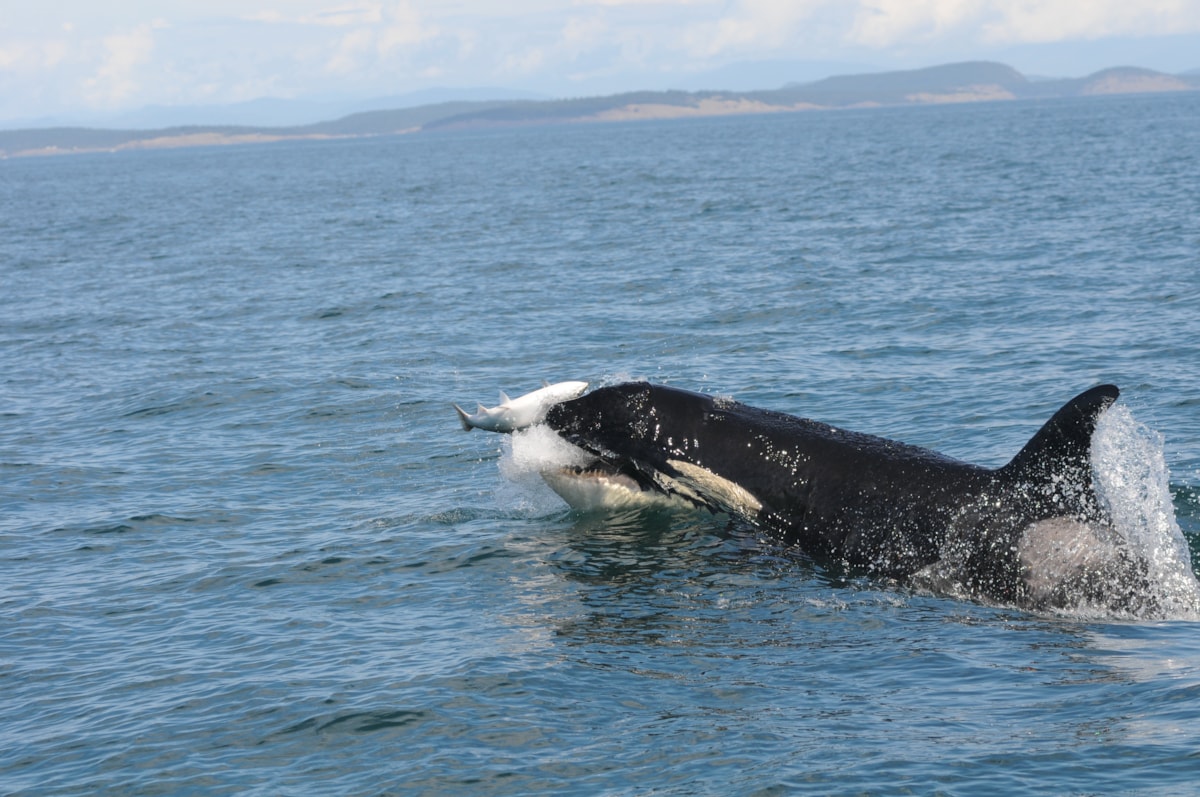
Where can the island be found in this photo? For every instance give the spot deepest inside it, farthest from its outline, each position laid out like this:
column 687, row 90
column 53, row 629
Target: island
column 974, row 81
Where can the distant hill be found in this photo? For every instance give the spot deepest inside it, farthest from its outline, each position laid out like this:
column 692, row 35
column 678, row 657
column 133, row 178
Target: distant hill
column 971, row 80
column 977, row 81
column 267, row 111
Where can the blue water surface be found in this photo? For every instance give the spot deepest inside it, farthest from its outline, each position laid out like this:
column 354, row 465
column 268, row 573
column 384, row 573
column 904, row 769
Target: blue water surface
column 245, row 546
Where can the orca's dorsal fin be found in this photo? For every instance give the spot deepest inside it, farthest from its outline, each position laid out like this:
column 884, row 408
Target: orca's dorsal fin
column 1061, row 450
column 504, row 399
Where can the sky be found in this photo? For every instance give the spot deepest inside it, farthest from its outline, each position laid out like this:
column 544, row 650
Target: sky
column 73, row 59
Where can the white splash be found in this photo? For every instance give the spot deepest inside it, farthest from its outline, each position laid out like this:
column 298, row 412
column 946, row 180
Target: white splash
column 525, row 455
column 537, row 464
column 1132, row 482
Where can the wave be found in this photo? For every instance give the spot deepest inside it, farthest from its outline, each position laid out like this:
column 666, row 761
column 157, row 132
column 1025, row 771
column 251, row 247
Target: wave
column 1133, row 483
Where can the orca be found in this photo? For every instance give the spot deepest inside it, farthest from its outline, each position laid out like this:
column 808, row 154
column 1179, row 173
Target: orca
column 1031, row 533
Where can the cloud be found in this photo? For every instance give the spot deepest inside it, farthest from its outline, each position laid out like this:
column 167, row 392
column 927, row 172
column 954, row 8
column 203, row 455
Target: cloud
column 751, row 27
column 644, row 2
column 887, row 23
column 525, row 62
column 581, row 33
column 32, row 56
column 340, row 16
column 403, row 27
column 352, row 48
column 116, row 81
column 884, row 24
column 1059, row 20
column 75, row 54
column 367, row 14
column 554, row 44
column 383, row 34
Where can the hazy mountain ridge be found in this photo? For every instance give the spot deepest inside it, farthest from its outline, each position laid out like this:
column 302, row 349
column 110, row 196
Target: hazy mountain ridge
column 963, row 82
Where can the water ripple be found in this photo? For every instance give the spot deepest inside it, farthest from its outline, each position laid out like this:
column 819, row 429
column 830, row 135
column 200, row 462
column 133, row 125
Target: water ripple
column 245, row 547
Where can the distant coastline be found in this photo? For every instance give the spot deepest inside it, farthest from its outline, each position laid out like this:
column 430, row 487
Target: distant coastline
column 977, row 81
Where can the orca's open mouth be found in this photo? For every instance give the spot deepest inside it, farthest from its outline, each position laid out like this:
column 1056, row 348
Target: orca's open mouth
column 601, row 485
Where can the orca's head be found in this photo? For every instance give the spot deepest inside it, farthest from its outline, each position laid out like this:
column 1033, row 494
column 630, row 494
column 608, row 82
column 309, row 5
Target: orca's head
column 617, row 411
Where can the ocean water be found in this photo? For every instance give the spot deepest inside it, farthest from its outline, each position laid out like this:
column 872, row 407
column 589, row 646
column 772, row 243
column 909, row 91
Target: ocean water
column 245, row 546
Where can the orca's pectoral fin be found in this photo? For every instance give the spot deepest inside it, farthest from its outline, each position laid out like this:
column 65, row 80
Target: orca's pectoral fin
column 1060, row 452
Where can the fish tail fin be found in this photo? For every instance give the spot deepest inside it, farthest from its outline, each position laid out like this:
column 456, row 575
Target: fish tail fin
column 463, row 418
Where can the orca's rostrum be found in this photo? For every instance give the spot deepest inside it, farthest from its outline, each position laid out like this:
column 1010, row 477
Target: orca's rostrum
column 1030, row 533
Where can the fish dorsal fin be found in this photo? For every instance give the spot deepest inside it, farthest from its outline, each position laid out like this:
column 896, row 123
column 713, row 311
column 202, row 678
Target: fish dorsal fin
column 480, row 410
column 504, row 399
column 545, row 383
column 1060, row 453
